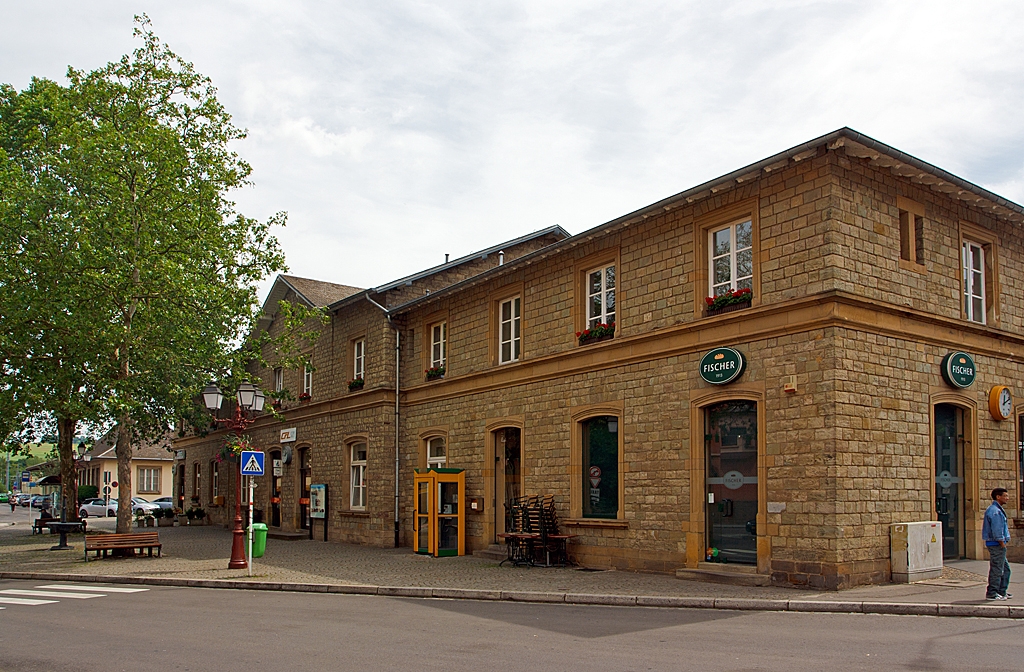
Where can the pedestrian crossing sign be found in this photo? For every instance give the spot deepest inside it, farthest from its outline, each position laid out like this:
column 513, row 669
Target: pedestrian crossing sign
column 252, row 462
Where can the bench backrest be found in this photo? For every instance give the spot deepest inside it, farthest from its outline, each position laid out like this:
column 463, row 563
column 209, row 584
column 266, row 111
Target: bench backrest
column 93, row 540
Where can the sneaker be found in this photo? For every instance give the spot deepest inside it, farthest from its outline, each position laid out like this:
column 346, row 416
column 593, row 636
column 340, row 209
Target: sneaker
column 994, row 597
column 1007, row 596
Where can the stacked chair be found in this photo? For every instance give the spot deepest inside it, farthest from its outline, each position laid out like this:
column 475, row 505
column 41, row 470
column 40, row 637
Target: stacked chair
column 532, row 536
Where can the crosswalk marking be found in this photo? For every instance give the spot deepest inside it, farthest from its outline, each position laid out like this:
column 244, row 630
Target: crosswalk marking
column 105, row 589
column 25, row 602
column 46, row 593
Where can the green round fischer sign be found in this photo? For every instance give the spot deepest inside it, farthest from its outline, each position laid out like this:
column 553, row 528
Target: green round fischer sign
column 958, row 369
column 722, row 365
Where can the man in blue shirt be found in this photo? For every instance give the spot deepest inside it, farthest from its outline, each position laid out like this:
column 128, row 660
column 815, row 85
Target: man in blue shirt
column 996, row 534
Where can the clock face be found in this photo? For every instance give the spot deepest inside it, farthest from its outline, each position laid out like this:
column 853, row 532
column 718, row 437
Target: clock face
column 1005, row 402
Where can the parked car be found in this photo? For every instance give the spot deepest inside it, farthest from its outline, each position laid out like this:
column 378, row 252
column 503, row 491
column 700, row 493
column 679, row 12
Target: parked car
column 40, row 501
column 24, row 498
column 164, row 502
column 142, row 506
column 97, row 507
column 5, row 497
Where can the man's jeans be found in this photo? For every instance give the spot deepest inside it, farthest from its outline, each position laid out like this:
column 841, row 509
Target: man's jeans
column 998, row 571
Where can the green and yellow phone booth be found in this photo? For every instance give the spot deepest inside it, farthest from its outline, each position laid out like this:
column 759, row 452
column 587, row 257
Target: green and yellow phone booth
column 439, row 517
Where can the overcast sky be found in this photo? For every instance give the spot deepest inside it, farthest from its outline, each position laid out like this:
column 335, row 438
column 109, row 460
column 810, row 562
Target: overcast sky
column 395, row 132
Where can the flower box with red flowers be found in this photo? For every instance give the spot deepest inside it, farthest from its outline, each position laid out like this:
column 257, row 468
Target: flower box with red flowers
column 736, row 299
column 305, row 396
column 355, row 384
column 435, row 372
column 599, row 332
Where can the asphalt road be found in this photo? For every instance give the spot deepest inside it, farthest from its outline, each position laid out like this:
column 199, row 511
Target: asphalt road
column 164, row 628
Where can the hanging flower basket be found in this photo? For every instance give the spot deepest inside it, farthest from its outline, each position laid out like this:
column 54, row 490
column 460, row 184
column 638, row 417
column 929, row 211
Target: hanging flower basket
column 233, row 447
column 599, row 332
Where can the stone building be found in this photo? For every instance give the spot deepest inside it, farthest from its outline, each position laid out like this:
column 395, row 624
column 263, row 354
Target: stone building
column 862, row 374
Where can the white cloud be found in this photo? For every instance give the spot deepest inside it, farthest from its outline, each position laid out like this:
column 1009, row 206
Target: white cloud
column 395, row 133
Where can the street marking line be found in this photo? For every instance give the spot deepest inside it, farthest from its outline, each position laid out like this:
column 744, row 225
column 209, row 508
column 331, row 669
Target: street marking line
column 19, row 600
column 105, row 589
column 45, row 593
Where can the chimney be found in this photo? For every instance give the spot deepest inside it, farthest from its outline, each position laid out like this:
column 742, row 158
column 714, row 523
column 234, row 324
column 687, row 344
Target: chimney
column 446, row 258
column 501, row 257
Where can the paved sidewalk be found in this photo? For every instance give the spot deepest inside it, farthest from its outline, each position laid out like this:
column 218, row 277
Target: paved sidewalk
column 197, row 556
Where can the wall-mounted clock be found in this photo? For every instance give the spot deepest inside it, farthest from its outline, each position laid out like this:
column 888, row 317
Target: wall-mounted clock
column 1000, row 402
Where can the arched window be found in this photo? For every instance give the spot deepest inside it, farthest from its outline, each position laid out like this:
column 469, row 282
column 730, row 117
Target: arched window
column 600, row 452
column 358, row 475
column 437, row 453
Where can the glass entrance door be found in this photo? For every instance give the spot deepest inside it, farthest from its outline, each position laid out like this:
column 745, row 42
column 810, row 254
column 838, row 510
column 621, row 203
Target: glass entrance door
column 730, row 439
column 275, row 489
column 305, row 481
column 180, row 501
column 507, row 476
column 949, row 478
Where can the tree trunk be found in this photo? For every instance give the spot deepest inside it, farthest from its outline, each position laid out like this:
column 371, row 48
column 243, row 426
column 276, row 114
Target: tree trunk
column 123, row 451
column 68, row 474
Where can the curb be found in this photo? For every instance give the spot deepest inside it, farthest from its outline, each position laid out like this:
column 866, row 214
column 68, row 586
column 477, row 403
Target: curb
column 725, row 603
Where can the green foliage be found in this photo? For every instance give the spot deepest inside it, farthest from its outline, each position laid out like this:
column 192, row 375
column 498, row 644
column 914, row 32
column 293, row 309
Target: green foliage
column 87, row 492
column 127, row 278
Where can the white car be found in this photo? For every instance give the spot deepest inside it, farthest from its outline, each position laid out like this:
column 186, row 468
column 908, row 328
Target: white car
column 141, row 506
column 97, row 507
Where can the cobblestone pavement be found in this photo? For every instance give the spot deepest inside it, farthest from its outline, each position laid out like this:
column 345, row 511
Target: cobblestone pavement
column 202, row 552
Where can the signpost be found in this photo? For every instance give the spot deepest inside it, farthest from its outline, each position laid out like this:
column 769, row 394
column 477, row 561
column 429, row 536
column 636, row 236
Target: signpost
column 253, row 462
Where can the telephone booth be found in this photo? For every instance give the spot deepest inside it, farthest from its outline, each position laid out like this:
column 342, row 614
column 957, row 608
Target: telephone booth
column 439, row 516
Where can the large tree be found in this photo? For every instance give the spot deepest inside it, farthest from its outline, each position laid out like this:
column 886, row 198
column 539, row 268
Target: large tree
column 133, row 168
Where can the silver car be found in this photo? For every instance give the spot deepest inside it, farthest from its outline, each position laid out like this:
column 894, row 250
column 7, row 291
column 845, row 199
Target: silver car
column 97, row 507
column 142, row 506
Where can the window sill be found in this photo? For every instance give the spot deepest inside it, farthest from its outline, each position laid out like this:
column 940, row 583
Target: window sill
column 353, row 514
column 913, row 266
column 609, row 523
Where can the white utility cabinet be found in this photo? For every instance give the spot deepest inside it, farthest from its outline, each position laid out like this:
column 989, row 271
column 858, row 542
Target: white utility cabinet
column 916, row 551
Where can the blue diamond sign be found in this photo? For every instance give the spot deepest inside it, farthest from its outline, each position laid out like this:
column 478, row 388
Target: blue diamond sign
column 252, row 462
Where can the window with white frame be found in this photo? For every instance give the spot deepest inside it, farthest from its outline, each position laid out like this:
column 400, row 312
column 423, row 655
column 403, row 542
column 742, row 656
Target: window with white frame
column 149, row 480
column 974, row 281
column 307, row 380
column 358, row 358
column 437, row 455
column 508, row 330
column 197, row 481
column 438, row 344
column 601, row 296
column 278, row 379
column 731, row 258
column 358, row 483
column 214, row 480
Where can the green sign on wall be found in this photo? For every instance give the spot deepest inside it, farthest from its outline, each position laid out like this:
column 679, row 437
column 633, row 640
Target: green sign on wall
column 722, row 365
column 958, row 369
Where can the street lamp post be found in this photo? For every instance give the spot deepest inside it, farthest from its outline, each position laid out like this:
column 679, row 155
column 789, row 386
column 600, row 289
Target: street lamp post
column 249, row 400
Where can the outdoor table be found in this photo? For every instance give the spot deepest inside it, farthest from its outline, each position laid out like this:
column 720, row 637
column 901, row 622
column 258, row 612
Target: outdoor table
column 63, row 529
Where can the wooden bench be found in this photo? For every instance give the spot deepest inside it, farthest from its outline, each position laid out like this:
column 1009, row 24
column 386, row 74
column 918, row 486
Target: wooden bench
column 101, row 543
column 40, row 523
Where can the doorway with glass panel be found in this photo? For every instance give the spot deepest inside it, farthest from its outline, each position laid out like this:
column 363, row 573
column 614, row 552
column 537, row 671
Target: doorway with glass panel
column 949, row 478
column 508, row 460
column 731, row 488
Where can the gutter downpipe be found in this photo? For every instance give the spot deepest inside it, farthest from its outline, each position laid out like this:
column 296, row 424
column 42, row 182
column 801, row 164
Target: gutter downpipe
column 398, row 415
